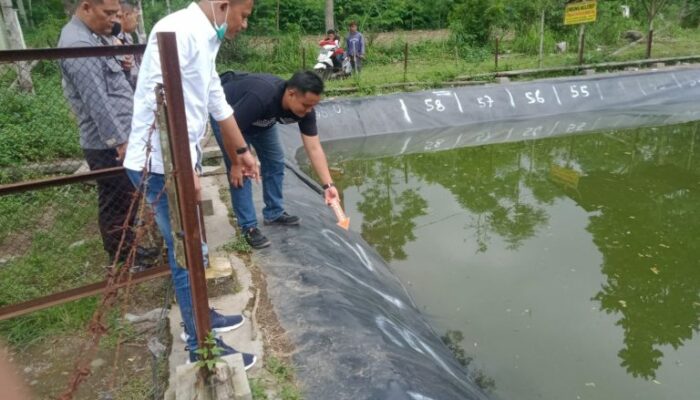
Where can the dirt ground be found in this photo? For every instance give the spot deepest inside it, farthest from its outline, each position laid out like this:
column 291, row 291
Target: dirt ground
column 126, row 371
column 131, row 372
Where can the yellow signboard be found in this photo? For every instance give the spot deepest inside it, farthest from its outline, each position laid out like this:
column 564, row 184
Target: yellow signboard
column 580, row 12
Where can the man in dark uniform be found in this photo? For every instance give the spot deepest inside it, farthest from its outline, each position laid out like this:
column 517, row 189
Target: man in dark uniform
column 260, row 101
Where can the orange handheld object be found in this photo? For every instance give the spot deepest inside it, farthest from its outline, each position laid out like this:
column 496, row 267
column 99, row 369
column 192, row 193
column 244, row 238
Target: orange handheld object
column 343, row 220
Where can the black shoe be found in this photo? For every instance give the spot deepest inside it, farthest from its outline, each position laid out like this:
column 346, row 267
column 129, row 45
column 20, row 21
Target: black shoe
column 284, row 219
column 255, row 238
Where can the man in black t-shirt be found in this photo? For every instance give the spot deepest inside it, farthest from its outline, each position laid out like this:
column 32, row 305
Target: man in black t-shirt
column 260, row 101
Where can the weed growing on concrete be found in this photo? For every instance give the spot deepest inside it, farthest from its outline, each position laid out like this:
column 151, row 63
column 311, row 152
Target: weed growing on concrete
column 210, row 354
column 237, row 245
column 257, row 389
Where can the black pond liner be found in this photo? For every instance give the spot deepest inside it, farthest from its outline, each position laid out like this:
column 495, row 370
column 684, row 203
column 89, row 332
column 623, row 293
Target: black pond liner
column 357, row 333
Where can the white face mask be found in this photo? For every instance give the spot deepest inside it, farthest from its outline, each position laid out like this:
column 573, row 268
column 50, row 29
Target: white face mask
column 220, row 30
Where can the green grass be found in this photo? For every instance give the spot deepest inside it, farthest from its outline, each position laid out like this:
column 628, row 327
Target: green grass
column 36, row 127
column 435, row 60
column 37, row 230
column 257, row 389
column 283, row 381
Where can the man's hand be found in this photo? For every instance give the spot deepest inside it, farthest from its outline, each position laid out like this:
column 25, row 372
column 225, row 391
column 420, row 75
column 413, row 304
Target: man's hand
column 249, row 167
column 197, row 186
column 127, row 62
column 236, row 177
column 331, row 195
column 121, row 151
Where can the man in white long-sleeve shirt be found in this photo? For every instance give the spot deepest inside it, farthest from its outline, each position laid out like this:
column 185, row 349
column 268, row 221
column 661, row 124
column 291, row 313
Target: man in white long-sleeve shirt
column 199, row 29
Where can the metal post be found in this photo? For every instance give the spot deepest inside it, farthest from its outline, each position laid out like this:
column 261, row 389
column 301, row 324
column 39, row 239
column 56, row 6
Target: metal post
column 183, row 175
column 405, row 61
column 303, row 57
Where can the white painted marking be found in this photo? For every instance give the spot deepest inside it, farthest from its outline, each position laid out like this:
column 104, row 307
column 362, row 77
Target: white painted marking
column 459, row 103
column 405, row 145
column 641, row 88
column 405, row 112
column 512, row 101
column 676, row 79
column 553, row 128
column 442, row 93
column 556, row 94
column 457, row 141
column 510, row 132
column 600, row 92
column 619, row 83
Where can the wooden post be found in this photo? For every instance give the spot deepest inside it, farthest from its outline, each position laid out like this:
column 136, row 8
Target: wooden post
column 495, row 56
column 650, row 38
column 581, row 42
column 277, row 16
column 541, row 55
column 303, row 57
column 405, row 61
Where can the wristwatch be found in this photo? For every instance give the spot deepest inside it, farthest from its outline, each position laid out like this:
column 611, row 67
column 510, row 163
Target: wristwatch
column 328, row 186
column 241, row 150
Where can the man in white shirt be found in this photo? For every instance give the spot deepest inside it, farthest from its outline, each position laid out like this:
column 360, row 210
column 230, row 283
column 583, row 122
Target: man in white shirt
column 199, row 29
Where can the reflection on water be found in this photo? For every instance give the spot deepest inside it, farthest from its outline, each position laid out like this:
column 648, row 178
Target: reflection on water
column 506, row 243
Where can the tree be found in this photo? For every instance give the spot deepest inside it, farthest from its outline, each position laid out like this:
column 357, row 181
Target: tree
column 330, row 20
column 652, row 9
column 16, row 41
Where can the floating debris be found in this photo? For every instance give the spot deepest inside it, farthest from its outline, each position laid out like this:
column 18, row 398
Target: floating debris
column 654, row 270
column 622, row 303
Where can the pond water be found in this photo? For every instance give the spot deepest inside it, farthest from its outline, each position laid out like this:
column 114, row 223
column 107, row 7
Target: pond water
column 570, row 266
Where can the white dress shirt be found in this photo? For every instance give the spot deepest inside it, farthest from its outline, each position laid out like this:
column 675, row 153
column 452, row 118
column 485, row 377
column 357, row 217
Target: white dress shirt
column 197, row 46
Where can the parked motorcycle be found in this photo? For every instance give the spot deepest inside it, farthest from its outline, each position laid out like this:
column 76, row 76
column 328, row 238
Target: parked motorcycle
column 331, row 62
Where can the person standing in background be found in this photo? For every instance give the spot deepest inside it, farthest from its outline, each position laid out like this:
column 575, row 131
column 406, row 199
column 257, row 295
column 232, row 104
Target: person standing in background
column 102, row 100
column 129, row 19
column 355, row 48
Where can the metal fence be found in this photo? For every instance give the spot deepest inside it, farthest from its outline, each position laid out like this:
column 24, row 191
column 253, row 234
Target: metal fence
column 64, row 199
column 71, row 223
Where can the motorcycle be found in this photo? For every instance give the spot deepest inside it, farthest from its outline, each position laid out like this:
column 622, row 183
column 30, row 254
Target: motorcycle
column 331, row 62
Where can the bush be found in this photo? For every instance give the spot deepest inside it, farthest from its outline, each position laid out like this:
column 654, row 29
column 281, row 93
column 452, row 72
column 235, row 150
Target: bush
column 528, row 42
column 473, row 22
column 37, row 127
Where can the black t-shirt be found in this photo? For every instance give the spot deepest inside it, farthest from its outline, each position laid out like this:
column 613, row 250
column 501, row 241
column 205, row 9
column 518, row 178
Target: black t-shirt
column 257, row 103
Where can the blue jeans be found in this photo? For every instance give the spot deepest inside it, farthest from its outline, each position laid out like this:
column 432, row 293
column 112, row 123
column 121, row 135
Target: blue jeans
column 271, row 155
column 153, row 187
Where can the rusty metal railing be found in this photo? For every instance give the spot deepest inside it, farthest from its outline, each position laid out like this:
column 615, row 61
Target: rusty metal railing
column 62, row 297
column 184, row 180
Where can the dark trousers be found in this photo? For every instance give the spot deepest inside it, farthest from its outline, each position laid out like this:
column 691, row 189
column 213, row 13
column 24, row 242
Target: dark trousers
column 114, row 198
column 356, row 63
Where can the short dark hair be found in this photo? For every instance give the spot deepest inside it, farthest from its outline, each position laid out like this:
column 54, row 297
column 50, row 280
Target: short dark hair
column 128, row 6
column 306, row 81
column 352, row 23
column 330, row 31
